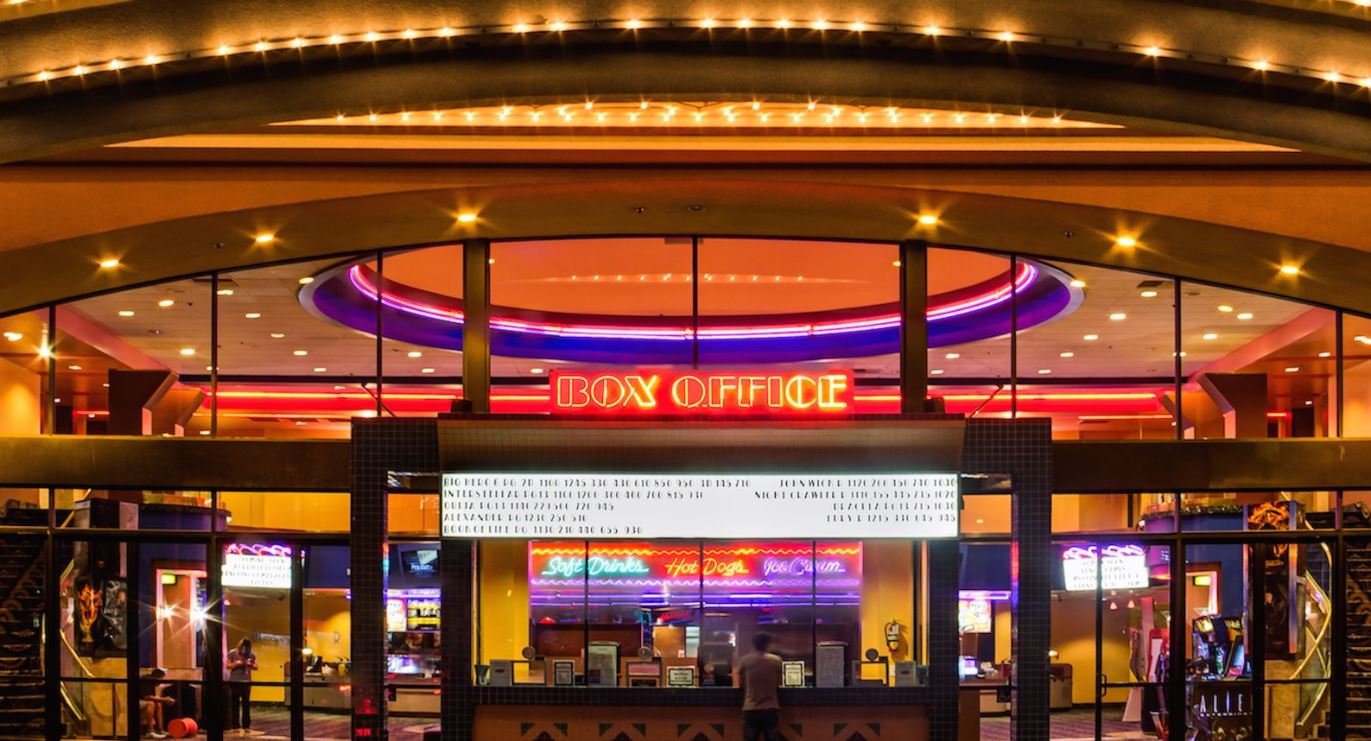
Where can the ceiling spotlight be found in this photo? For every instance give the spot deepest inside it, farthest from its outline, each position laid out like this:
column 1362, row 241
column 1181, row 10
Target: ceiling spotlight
column 1325, row 354
column 308, row 279
column 321, row 369
column 1293, row 369
column 1225, row 308
column 936, row 372
column 953, row 355
column 1126, row 241
column 466, row 217
column 126, row 313
column 278, row 335
column 1245, row 316
column 74, row 367
column 415, row 354
column 264, row 238
column 252, row 315
column 1148, row 294
column 928, row 220
column 1090, row 337
column 14, row 336
column 1211, row 336
column 1067, row 354
column 165, row 303
column 1290, row 270
column 426, row 370
column 225, row 291
column 109, row 262
column 1044, row 371
column 536, row 371
column 1117, row 316
column 1078, row 283
column 187, row 352
column 299, row 353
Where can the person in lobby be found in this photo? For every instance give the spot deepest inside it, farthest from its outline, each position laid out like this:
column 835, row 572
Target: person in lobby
column 152, row 705
column 759, row 674
column 241, row 663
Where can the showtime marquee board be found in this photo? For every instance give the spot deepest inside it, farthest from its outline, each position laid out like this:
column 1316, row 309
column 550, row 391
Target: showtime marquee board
column 256, row 566
column 1119, row 567
column 805, row 506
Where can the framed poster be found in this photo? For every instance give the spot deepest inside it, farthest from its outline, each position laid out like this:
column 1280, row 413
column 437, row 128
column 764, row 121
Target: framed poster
column 793, row 674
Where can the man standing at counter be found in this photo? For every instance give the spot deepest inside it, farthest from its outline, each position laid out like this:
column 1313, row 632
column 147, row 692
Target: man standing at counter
column 759, row 673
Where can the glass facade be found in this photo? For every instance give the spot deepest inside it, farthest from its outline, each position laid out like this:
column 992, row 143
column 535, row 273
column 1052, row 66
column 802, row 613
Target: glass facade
column 1158, row 598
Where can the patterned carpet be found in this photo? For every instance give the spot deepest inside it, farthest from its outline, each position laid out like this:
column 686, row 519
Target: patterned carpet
column 1071, row 725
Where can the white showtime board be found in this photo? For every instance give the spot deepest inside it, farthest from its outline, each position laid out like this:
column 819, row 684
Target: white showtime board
column 752, row 506
column 256, row 571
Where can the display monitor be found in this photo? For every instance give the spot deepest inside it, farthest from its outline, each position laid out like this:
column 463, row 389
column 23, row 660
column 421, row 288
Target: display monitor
column 421, row 562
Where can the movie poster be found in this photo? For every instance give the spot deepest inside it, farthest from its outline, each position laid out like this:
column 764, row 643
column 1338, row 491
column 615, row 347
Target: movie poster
column 1277, row 577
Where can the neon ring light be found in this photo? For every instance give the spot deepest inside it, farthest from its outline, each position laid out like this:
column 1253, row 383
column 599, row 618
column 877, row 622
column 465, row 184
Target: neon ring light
column 347, row 294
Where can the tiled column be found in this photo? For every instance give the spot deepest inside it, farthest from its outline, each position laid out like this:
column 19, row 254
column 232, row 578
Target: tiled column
column 944, row 571
column 1023, row 450
column 457, row 563
column 379, row 446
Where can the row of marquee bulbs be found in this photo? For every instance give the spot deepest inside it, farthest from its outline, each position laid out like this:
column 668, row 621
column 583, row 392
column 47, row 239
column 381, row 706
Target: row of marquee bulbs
column 819, row 25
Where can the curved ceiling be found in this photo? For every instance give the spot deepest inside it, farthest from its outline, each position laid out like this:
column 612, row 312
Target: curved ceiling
column 1277, row 74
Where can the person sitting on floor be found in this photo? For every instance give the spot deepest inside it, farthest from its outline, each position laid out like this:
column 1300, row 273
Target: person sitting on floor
column 152, row 705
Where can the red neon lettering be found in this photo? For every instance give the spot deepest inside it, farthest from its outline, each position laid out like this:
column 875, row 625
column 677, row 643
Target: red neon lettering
column 702, row 393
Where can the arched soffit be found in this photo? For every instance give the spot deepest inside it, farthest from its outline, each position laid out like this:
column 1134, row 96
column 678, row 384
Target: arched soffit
column 652, row 205
column 1264, row 72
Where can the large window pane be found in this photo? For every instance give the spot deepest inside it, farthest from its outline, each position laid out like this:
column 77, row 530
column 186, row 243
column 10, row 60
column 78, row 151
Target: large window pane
column 421, row 357
column 968, row 330
column 1256, row 366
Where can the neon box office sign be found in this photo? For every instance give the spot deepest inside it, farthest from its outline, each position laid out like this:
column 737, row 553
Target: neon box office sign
column 648, row 392
column 808, row 506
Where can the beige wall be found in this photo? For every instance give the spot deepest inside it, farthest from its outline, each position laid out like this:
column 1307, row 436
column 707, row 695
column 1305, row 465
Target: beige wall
column 20, row 414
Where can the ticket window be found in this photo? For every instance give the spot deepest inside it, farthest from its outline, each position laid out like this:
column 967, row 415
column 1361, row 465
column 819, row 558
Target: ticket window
column 548, row 605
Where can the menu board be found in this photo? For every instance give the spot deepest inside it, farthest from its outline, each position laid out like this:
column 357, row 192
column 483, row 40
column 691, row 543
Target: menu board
column 756, row 506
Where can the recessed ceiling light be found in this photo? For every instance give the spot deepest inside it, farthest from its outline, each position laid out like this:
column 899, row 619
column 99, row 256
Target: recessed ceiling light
column 1290, row 270
column 1117, row 316
column 74, row 367
column 253, row 315
column 1293, row 369
column 1148, row 294
column 466, row 217
column 165, row 303
column 14, row 336
column 339, row 387
column 953, row 355
column 368, row 413
column 936, row 372
column 536, row 371
column 300, row 353
column 1126, row 241
column 1363, row 339
column 126, row 313
column 204, row 432
column 1225, row 308
column 264, row 238
column 1325, row 354
column 1245, row 316
column 109, row 262
column 426, row 370
column 278, row 335
column 1090, row 337
column 321, row 369
column 187, row 352
column 308, row 279
column 1044, row 371
column 928, row 220
column 225, row 291
column 415, row 354
column 1078, row 283
column 1067, row 354
column 1211, row 336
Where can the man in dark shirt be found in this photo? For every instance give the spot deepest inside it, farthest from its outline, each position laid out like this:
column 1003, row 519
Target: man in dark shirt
column 759, row 673
column 151, row 704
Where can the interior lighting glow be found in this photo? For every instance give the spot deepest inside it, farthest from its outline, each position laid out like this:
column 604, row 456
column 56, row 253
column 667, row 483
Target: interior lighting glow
column 1126, row 241
column 1290, row 270
column 126, row 313
column 1078, row 283
column 1225, row 308
column 109, row 262
column 14, row 336
column 1246, row 315
column 1148, row 294
column 1117, row 316
column 187, row 352
column 1090, row 337
column 1211, row 336
column 165, row 303
column 466, row 217
column 928, row 220
column 1293, row 369
column 299, row 353
column 264, row 238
